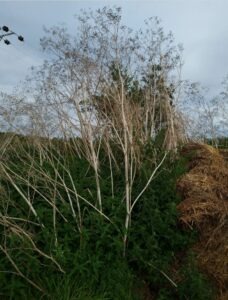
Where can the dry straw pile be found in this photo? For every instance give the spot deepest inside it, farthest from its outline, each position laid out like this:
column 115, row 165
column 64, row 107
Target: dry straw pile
column 205, row 192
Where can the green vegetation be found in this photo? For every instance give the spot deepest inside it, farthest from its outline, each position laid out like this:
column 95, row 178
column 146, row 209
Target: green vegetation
column 54, row 255
column 95, row 217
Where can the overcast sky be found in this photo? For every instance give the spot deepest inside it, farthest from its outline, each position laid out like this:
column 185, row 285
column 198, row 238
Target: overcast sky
column 200, row 25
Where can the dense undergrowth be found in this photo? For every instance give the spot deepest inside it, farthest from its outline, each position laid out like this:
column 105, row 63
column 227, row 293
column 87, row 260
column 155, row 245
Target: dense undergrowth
column 85, row 257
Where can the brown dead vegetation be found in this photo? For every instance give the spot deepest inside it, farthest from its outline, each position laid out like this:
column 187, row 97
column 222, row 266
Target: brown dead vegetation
column 205, row 193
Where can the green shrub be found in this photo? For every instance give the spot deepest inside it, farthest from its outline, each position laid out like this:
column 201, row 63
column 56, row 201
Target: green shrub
column 93, row 257
column 194, row 285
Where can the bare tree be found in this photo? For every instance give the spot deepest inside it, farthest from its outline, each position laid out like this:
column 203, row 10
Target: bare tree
column 109, row 86
column 205, row 114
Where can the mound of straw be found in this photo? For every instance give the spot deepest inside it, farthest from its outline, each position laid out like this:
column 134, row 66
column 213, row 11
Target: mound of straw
column 205, row 193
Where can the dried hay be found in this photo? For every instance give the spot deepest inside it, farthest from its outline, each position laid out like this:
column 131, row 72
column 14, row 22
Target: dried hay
column 205, row 206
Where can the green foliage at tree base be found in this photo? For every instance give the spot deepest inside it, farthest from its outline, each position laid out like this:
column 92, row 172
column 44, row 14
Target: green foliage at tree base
column 92, row 259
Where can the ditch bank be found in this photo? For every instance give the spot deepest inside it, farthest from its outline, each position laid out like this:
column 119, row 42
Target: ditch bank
column 204, row 190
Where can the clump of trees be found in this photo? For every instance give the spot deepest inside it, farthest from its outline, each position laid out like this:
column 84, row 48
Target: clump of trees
column 109, row 86
column 87, row 75
column 112, row 95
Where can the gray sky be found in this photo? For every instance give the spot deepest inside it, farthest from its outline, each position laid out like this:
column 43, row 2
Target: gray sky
column 200, row 25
